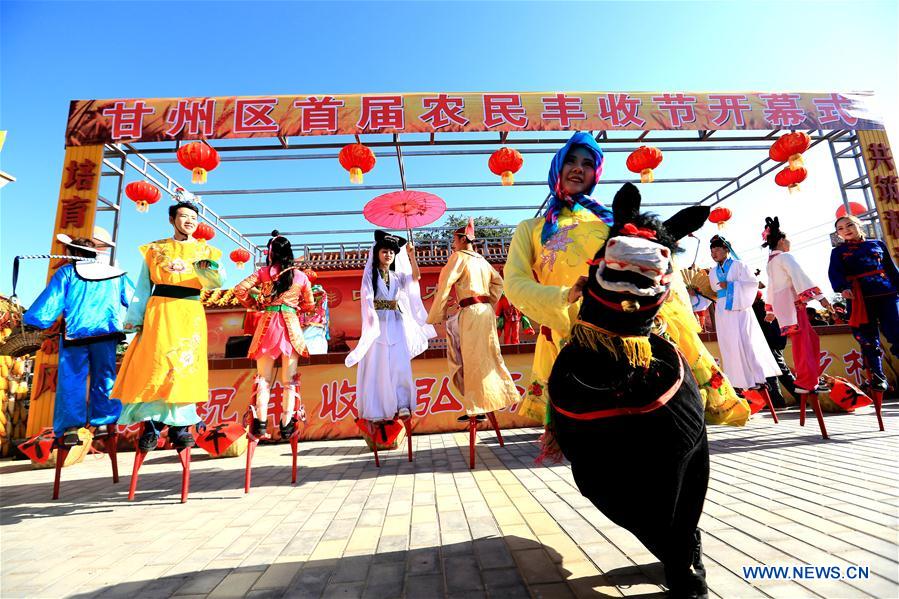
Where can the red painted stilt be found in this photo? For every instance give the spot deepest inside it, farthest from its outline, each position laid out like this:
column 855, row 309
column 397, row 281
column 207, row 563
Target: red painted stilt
column 767, row 397
column 374, row 442
column 184, row 457
column 112, row 448
column 62, row 453
column 816, row 407
column 877, row 397
column 252, row 442
column 492, row 418
column 472, row 439
column 407, row 424
column 138, row 460
column 294, row 443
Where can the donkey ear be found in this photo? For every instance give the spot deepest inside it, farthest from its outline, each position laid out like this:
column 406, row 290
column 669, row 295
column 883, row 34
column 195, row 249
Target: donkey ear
column 686, row 221
column 626, row 205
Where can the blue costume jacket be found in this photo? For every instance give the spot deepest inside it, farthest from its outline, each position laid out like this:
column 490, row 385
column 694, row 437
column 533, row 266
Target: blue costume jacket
column 91, row 308
column 848, row 259
column 91, row 298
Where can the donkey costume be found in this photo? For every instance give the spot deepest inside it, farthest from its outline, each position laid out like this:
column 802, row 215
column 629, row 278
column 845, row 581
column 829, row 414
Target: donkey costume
column 626, row 408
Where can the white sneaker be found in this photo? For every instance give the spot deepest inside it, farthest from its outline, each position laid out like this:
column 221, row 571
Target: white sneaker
column 404, row 413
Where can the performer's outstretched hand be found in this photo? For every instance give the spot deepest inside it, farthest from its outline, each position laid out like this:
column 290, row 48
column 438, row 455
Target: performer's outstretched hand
column 577, row 290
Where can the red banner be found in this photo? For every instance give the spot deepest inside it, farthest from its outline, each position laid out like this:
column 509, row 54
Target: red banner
column 165, row 119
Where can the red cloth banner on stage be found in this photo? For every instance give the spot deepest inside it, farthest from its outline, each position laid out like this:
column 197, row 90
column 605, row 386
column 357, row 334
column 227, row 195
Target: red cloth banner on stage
column 165, row 119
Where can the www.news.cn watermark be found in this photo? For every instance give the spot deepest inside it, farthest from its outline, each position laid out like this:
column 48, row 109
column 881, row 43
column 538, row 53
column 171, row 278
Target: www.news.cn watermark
column 806, row 572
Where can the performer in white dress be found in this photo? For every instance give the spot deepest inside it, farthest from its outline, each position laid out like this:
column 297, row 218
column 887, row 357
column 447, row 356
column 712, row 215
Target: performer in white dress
column 789, row 290
column 745, row 357
column 394, row 330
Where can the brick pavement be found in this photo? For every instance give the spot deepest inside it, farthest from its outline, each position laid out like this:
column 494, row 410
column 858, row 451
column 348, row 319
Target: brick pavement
column 433, row 528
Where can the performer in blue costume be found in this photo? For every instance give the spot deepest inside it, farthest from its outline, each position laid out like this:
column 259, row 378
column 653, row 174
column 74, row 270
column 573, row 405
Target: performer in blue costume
column 863, row 272
column 91, row 297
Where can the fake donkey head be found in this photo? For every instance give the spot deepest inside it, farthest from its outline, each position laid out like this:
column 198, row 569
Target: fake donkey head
column 630, row 276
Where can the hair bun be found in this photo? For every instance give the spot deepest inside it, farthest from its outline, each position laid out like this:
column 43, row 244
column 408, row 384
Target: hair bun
column 275, row 233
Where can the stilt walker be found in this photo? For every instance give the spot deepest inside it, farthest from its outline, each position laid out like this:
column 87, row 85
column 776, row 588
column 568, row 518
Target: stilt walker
column 477, row 370
column 165, row 371
column 91, row 297
column 282, row 292
column 394, row 330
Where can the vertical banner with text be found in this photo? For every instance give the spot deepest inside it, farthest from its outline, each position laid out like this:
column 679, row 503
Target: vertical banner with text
column 884, row 182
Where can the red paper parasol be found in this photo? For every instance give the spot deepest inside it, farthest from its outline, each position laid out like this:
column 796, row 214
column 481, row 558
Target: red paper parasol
column 404, row 209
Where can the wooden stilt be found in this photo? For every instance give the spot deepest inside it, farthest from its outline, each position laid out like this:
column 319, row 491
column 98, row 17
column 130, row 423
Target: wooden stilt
column 61, row 453
column 491, row 416
column 472, row 439
column 184, row 457
column 767, row 397
column 138, row 460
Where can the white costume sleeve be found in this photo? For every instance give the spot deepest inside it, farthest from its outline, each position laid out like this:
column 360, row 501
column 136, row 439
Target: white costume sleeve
column 743, row 287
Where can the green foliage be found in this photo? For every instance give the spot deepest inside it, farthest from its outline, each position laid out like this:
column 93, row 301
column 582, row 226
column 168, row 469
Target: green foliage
column 457, row 221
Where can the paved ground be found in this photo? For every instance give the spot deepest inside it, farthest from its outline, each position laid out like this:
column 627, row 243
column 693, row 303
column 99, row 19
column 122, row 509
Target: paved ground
column 432, row 528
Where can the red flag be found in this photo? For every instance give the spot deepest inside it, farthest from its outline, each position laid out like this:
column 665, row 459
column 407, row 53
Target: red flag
column 385, row 432
column 756, row 401
column 215, row 440
column 846, row 395
column 39, row 448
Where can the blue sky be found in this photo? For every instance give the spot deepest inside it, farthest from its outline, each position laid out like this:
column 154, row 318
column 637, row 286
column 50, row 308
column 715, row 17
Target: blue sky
column 51, row 53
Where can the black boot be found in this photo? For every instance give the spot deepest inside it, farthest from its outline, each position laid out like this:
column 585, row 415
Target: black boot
column 774, row 391
column 180, row 437
column 878, row 382
column 150, row 437
column 287, row 430
column 258, row 428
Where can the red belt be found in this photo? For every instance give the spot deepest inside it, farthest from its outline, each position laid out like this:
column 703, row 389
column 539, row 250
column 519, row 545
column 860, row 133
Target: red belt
column 470, row 301
column 859, row 315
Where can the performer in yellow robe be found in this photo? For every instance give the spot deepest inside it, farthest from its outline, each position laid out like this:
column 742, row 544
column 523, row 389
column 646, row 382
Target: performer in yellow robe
column 164, row 373
column 477, row 369
column 545, row 270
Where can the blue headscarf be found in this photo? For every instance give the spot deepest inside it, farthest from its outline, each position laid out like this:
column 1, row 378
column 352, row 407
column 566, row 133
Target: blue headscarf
column 577, row 202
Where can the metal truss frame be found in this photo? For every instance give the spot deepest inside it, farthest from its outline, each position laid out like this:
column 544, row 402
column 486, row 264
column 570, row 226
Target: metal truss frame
column 146, row 160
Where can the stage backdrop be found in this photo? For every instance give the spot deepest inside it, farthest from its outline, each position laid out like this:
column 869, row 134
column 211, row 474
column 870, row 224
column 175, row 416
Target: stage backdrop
column 329, row 391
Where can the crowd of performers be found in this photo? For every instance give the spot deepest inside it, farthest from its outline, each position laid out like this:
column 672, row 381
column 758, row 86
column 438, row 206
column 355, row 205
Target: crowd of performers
column 618, row 357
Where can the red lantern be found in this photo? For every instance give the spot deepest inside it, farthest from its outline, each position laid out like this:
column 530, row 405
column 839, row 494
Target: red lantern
column 203, row 232
column 719, row 216
column 791, row 178
column 358, row 159
column 854, row 207
column 505, row 162
column 790, row 148
column 143, row 194
column 199, row 158
column 240, row 257
column 643, row 160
